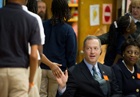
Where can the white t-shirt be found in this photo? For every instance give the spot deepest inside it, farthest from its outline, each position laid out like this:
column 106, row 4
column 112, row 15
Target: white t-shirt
column 42, row 35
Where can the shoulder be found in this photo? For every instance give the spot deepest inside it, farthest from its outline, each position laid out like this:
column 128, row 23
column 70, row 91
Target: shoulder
column 104, row 66
column 35, row 15
column 65, row 26
column 115, row 66
column 46, row 22
column 118, row 66
column 68, row 30
column 28, row 13
column 76, row 67
column 69, row 27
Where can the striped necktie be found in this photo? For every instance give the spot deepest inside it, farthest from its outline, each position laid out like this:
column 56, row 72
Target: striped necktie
column 95, row 75
column 102, row 82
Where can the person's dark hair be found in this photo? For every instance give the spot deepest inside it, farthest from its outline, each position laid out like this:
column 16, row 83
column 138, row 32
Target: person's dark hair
column 129, row 42
column 123, row 23
column 60, row 11
column 118, row 28
column 32, row 6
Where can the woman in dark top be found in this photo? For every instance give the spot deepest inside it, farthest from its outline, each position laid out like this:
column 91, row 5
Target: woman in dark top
column 126, row 71
column 118, row 33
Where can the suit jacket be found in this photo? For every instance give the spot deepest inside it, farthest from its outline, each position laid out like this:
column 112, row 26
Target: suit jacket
column 82, row 84
column 125, row 79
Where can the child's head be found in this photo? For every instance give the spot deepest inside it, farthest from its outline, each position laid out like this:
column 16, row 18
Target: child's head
column 125, row 24
column 60, row 10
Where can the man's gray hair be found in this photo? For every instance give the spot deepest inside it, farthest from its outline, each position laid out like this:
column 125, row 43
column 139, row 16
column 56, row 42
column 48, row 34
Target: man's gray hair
column 90, row 37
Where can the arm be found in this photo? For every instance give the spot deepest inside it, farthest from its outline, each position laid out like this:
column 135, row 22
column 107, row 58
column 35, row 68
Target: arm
column 71, row 48
column 108, row 37
column 53, row 66
column 118, row 75
column 33, row 63
column 104, row 38
column 40, row 51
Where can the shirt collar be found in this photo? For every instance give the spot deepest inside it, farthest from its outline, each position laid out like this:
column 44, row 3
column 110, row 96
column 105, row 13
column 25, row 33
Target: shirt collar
column 128, row 68
column 90, row 66
column 24, row 7
column 14, row 5
column 135, row 20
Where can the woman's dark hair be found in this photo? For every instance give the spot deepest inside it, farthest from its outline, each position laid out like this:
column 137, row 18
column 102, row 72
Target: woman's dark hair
column 60, row 11
column 32, row 6
column 129, row 42
column 118, row 28
column 123, row 23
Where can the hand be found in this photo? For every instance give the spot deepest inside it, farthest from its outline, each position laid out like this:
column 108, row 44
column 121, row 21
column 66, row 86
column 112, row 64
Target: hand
column 56, row 70
column 53, row 66
column 63, row 79
column 30, row 86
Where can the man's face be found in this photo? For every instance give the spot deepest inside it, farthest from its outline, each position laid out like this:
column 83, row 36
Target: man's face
column 92, row 51
column 41, row 11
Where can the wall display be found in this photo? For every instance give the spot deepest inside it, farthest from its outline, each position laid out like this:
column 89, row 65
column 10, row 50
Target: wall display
column 94, row 15
column 107, row 13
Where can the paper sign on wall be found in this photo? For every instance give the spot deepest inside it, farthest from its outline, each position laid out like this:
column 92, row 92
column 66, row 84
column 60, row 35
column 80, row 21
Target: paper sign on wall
column 94, row 15
column 107, row 13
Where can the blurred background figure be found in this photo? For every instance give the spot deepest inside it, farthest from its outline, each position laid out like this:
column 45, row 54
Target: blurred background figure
column 118, row 32
column 134, row 11
column 41, row 9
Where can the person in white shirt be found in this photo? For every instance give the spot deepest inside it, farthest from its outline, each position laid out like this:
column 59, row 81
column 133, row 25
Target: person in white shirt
column 55, row 68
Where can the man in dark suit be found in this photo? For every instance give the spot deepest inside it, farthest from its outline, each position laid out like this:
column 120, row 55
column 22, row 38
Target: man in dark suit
column 82, row 80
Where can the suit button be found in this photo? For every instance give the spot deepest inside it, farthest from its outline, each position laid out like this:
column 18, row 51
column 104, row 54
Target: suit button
column 137, row 90
column 133, row 77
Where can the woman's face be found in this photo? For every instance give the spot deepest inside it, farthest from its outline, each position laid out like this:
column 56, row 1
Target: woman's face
column 131, row 54
column 136, row 11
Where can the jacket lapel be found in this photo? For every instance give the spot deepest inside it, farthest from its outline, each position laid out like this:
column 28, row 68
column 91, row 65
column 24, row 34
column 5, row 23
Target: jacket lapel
column 85, row 71
column 105, row 76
